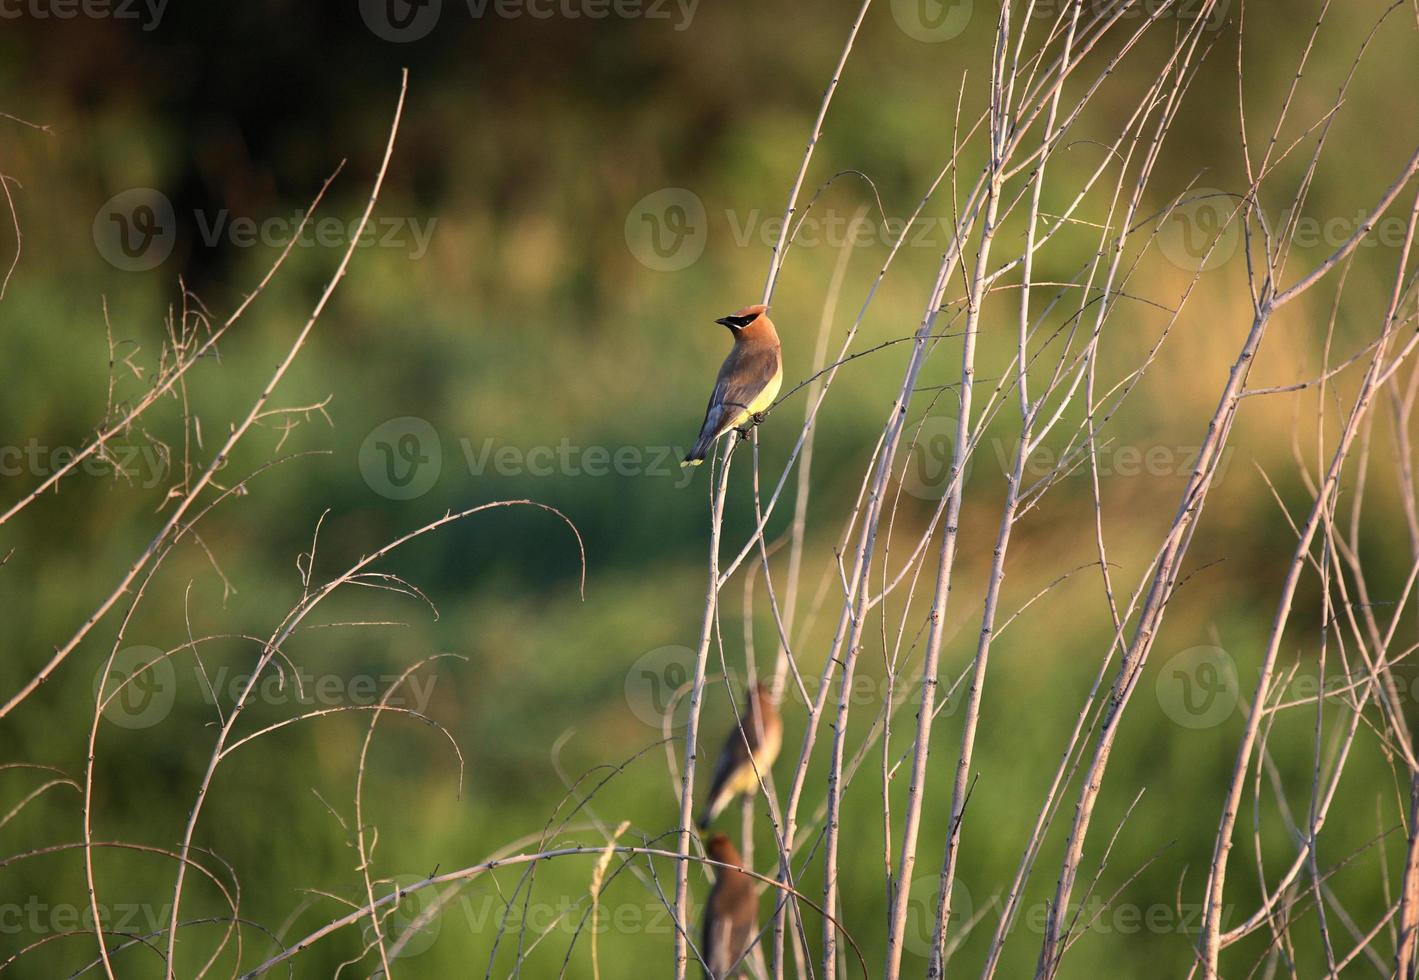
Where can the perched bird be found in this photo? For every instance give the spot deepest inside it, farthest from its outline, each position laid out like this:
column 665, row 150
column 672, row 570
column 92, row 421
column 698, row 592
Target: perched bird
column 749, row 751
column 748, row 380
column 731, row 912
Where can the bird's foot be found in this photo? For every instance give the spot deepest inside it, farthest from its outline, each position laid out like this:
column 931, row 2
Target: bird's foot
column 758, row 418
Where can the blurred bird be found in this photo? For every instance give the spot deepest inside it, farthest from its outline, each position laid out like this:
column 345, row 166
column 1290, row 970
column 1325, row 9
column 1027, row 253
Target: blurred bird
column 749, row 751
column 748, row 380
column 731, row 912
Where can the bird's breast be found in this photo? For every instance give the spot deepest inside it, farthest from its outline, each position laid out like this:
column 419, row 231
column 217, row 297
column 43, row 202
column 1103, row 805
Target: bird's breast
column 766, row 397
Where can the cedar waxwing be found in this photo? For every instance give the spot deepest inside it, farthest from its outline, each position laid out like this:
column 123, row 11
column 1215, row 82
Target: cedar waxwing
column 748, row 380
column 731, row 912
column 749, row 751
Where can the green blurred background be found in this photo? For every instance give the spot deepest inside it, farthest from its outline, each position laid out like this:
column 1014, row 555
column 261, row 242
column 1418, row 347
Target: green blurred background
column 515, row 304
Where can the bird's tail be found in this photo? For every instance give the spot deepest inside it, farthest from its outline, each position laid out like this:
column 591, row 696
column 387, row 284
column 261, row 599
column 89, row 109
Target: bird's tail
column 715, row 806
column 697, row 455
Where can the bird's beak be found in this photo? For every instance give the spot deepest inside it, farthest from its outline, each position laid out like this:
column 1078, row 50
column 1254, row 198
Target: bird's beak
column 725, row 321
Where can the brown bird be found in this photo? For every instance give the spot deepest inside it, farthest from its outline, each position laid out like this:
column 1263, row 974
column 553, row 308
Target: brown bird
column 748, row 753
column 731, row 912
column 748, row 380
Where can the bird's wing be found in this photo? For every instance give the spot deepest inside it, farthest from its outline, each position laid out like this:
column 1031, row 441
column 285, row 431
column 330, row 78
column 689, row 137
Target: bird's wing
column 747, row 371
column 731, row 758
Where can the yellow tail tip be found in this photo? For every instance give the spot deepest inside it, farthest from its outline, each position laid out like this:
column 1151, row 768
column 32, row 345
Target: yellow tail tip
column 690, row 462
